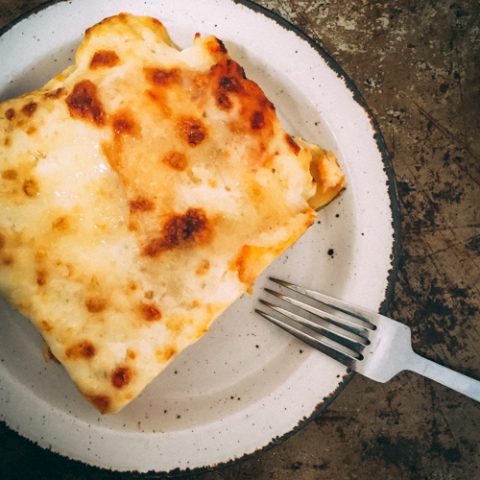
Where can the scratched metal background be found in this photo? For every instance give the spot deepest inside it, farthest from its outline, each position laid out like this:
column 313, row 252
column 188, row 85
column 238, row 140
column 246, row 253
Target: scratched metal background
column 417, row 65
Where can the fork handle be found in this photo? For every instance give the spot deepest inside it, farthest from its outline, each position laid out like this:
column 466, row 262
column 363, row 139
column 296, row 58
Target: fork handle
column 446, row 376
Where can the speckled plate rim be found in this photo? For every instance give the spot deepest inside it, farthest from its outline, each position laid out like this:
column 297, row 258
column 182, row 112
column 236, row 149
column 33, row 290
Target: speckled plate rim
column 394, row 257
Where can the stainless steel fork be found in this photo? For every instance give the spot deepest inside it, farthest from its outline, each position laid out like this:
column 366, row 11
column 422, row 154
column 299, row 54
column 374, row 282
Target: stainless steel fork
column 365, row 341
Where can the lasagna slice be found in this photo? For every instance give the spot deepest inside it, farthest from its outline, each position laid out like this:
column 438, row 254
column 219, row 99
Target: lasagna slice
column 142, row 191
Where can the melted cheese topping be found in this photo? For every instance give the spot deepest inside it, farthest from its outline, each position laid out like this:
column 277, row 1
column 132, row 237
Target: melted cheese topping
column 142, row 191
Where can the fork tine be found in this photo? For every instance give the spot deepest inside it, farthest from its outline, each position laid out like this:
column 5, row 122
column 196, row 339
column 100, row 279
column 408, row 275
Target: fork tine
column 343, row 355
column 359, row 313
column 340, row 335
column 342, row 321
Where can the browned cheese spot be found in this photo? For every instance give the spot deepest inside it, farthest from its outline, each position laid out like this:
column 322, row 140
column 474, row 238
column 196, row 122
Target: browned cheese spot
column 41, row 254
column 109, row 150
column 83, row 103
column 149, row 294
column 54, row 93
column 192, row 131
column 7, row 260
column 2, row 240
column 292, row 144
column 230, row 84
column 190, row 228
column 29, row 109
column 176, row 324
column 176, row 160
column 101, row 402
column 215, row 45
column 152, row 95
column 8, row 141
column 221, row 46
column 156, row 22
column 131, row 354
column 83, row 349
column 165, row 354
column 121, row 376
column 203, row 268
column 104, row 58
column 160, row 76
column 223, row 101
column 133, row 225
column 123, row 123
column 46, row 326
column 61, row 224
column 266, row 104
column 31, row 130
column 41, row 278
column 160, row 99
column 30, row 187
column 96, row 304
column 257, row 120
column 150, row 312
column 227, row 84
column 169, row 352
column 255, row 111
column 141, row 204
column 9, row 114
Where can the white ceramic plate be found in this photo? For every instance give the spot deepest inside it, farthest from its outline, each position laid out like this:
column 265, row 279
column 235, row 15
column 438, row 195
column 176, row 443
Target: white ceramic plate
column 246, row 382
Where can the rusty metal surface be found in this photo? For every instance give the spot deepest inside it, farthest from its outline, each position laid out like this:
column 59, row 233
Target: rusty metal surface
column 417, row 65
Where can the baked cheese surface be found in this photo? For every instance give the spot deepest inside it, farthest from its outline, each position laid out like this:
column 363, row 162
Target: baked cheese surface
column 142, row 191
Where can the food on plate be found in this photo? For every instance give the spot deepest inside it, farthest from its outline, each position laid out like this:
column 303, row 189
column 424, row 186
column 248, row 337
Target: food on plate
column 142, row 191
